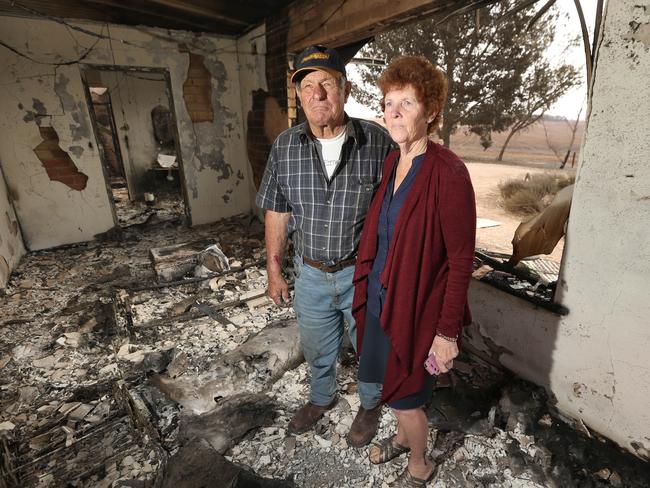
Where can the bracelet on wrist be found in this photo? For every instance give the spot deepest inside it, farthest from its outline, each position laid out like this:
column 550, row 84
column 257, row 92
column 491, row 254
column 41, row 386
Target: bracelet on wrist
column 447, row 338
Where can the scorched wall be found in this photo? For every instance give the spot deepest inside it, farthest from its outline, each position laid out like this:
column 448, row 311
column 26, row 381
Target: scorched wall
column 47, row 146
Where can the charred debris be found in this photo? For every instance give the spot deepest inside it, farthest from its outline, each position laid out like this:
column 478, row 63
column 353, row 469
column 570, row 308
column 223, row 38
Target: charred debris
column 152, row 358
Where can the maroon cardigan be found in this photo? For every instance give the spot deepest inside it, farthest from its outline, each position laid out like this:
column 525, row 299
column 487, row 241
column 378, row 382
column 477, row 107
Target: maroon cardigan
column 428, row 268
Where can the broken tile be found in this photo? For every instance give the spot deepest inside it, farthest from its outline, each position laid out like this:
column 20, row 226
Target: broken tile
column 80, row 412
column 5, row 360
column 109, row 369
column 66, row 408
column 127, row 461
column 73, row 339
column 40, row 441
column 131, row 352
column 45, row 362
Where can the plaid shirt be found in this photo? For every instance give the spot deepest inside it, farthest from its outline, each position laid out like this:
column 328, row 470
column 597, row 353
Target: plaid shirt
column 326, row 215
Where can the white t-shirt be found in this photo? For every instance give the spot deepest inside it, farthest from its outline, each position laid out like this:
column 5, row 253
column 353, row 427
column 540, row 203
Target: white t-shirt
column 330, row 152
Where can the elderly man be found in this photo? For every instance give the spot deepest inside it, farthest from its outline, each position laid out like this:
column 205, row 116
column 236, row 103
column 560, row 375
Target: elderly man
column 318, row 183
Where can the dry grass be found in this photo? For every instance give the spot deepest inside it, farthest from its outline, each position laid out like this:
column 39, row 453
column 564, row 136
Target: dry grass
column 529, row 147
column 533, row 193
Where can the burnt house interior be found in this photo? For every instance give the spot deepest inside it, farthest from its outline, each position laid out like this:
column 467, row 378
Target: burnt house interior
column 137, row 345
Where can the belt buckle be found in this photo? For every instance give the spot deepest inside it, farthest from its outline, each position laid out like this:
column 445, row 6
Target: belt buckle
column 323, row 266
column 339, row 266
column 332, row 269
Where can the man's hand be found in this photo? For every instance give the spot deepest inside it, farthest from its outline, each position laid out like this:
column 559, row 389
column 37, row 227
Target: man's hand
column 278, row 290
column 445, row 351
column 275, row 225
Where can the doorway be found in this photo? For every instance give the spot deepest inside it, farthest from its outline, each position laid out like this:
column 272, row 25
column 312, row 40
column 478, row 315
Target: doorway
column 135, row 126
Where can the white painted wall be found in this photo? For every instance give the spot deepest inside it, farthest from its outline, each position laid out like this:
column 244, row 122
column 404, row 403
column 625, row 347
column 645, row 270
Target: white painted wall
column 214, row 154
column 11, row 240
column 50, row 213
column 595, row 360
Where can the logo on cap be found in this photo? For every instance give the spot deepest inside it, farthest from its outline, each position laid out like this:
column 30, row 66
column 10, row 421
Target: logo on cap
column 315, row 56
column 318, row 58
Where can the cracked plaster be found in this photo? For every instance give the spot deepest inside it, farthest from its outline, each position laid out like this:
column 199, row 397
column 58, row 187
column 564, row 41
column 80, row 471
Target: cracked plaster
column 210, row 164
column 209, row 138
column 252, row 78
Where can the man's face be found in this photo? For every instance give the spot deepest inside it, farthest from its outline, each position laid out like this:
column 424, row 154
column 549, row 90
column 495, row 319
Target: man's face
column 323, row 98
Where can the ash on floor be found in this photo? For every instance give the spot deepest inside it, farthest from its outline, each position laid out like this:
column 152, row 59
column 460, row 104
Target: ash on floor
column 108, row 378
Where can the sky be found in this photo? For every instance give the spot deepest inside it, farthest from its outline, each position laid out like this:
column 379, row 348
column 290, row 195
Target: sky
column 567, row 106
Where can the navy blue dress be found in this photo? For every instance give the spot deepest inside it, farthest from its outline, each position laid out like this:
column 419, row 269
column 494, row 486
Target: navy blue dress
column 376, row 345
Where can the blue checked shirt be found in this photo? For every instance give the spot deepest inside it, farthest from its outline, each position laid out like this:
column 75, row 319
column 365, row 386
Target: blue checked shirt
column 327, row 215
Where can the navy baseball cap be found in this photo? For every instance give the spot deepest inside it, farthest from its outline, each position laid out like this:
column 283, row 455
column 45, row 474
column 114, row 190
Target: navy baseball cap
column 317, row 58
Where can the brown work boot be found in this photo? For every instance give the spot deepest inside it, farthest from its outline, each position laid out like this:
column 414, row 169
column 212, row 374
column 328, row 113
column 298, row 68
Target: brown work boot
column 307, row 416
column 364, row 426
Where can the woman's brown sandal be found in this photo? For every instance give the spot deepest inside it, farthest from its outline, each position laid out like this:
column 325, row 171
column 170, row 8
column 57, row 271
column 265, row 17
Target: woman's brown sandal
column 407, row 480
column 387, row 450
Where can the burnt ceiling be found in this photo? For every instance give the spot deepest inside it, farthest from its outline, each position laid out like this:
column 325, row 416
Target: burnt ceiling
column 225, row 17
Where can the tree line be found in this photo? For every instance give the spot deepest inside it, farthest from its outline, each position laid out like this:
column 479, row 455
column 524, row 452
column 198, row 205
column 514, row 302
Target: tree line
column 500, row 78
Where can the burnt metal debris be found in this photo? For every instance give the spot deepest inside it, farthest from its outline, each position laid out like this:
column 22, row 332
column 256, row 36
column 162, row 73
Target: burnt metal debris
column 110, row 377
column 534, row 279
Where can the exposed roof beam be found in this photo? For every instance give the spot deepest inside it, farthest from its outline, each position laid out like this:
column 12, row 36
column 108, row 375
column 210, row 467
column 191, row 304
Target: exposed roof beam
column 198, row 10
column 131, row 8
column 347, row 21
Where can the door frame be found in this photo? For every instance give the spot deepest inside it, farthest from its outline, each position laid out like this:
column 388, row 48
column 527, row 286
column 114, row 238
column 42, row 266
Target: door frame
column 83, row 69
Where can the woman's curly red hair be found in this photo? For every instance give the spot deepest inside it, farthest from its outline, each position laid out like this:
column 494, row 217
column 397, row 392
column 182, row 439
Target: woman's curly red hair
column 428, row 80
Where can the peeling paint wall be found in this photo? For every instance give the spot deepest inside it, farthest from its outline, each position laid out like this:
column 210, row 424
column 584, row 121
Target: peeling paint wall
column 197, row 90
column 595, row 360
column 37, row 94
column 259, row 131
column 271, row 104
column 11, row 240
column 52, row 210
column 57, row 163
column 217, row 176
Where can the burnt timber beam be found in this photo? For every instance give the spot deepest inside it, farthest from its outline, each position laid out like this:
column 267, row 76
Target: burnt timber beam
column 199, row 11
column 342, row 23
column 153, row 13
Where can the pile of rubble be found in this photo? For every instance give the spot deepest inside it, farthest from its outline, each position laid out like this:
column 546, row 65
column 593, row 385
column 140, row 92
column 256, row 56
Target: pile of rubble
column 150, row 358
column 161, row 206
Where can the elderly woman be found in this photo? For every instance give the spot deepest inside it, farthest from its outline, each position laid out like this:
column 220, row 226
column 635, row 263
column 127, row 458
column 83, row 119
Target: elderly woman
column 415, row 262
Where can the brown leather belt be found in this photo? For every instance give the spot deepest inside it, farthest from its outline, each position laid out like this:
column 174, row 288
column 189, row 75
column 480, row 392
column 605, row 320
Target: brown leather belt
column 329, row 269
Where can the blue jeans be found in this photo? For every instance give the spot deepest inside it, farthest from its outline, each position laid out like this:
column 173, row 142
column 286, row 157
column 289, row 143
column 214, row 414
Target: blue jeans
column 323, row 302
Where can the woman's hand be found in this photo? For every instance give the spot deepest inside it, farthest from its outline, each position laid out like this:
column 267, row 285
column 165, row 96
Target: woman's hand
column 445, row 351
